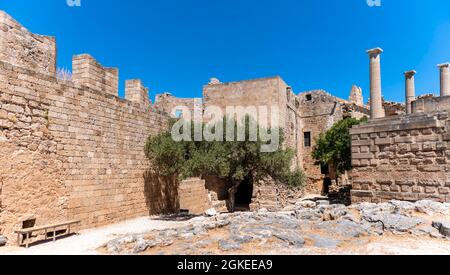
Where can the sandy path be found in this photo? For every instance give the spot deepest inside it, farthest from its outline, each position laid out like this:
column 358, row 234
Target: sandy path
column 89, row 240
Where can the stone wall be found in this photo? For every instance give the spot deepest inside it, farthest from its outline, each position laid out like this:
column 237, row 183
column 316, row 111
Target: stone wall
column 167, row 103
column 429, row 104
column 272, row 91
column 73, row 150
column 193, row 196
column 402, row 158
column 274, row 197
column 22, row 48
column 320, row 111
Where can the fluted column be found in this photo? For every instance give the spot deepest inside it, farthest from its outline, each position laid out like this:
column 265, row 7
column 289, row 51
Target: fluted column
column 376, row 101
column 410, row 90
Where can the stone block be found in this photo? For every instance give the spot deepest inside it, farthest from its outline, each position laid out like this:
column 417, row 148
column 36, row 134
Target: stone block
column 383, row 141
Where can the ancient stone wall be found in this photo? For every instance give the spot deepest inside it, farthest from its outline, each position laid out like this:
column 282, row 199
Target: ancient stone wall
column 261, row 92
column 402, row 158
column 320, row 111
column 170, row 104
column 22, row 48
column 193, row 196
column 274, row 197
column 74, row 150
column 428, row 104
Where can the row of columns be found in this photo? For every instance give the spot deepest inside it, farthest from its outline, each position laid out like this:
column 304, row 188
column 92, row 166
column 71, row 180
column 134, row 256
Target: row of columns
column 376, row 101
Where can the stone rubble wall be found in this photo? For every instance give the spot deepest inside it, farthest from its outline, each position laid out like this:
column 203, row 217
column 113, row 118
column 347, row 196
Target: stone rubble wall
column 402, row 158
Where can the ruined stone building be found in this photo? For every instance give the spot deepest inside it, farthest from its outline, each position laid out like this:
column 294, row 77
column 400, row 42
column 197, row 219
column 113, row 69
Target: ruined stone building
column 403, row 157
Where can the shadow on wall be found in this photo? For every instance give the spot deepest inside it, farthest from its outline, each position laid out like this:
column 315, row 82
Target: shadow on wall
column 161, row 193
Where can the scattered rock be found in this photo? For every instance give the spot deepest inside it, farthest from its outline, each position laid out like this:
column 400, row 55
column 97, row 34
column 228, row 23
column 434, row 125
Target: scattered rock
column 226, row 245
column 443, row 227
column 116, row 246
column 326, row 225
column 3, row 240
column 323, row 202
column 142, row 245
column 211, row 212
column 293, row 239
column 306, row 204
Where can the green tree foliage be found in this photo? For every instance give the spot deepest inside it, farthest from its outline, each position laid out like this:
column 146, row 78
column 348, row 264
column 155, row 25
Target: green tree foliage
column 235, row 161
column 334, row 146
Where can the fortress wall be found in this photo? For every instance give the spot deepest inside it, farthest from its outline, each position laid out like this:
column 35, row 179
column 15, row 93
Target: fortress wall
column 21, row 48
column 73, row 150
column 402, row 158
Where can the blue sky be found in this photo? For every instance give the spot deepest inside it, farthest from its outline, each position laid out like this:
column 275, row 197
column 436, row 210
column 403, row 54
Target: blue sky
column 177, row 45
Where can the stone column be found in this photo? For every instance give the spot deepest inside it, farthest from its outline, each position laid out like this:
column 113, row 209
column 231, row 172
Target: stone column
column 410, row 89
column 376, row 101
column 445, row 79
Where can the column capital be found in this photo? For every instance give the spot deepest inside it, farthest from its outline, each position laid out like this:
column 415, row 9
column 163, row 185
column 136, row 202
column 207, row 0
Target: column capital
column 410, row 73
column 375, row 51
column 443, row 65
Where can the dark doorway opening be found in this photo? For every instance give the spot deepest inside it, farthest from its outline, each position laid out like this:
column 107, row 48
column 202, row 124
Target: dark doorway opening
column 244, row 196
column 326, row 186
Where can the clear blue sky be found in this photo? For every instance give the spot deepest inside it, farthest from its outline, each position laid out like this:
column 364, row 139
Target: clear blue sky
column 177, row 45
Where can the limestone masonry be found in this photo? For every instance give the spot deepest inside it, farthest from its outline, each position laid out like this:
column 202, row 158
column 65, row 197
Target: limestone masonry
column 73, row 149
column 69, row 150
column 403, row 157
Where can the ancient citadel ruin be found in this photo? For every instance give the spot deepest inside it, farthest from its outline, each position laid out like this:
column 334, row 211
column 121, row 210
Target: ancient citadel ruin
column 74, row 149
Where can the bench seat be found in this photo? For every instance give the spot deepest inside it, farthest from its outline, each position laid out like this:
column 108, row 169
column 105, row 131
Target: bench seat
column 47, row 228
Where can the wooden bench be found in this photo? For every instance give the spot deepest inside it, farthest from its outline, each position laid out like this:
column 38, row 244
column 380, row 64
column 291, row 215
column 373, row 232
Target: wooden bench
column 48, row 228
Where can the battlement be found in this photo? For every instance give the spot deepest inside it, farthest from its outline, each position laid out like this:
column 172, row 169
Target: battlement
column 22, row 48
column 136, row 92
column 89, row 72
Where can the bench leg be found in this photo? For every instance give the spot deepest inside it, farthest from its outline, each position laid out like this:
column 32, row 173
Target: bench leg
column 18, row 239
column 54, row 234
column 68, row 230
column 28, row 240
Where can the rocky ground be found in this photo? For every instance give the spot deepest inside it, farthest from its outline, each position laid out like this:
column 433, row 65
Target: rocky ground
column 308, row 227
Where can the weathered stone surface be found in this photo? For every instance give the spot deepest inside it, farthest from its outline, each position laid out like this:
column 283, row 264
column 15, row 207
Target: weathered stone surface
column 228, row 245
column 443, row 227
column 324, row 242
column 238, row 232
column 393, row 222
column 431, row 207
